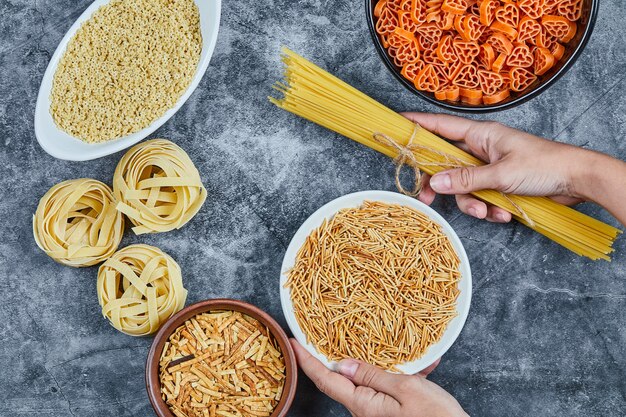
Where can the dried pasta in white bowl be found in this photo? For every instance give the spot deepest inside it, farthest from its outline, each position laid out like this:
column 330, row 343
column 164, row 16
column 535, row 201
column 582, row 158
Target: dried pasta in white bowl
column 158, row 187
column 76, row 223
column 378, row 282
column 139, row 288
column 125, row 67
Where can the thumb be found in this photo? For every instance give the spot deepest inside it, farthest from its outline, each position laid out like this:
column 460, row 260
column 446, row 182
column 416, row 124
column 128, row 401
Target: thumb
column 465, row 180
column 364, row 374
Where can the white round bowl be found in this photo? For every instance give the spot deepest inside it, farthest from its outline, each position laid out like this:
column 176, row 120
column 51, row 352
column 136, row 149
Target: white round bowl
column 64, row 146
column 453, row 330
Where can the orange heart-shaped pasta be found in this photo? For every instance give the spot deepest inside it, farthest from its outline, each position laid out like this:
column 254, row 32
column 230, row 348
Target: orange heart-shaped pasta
column 490, row 81
column 427, row 79
column 488, row 11
column 508, row 14
column 466, row 51
column 559, row 27
column 532, row 8
column 520, row 57
column 570, row 9
column 467, row 77
column 454, row 6
column 521, row 78
column 544, row 60
column 410, row 70
column 475, row 51
column 528, row 29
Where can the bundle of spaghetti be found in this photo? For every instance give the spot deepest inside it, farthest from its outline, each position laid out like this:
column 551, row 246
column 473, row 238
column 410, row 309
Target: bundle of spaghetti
column 377, row 283
column 322, row 98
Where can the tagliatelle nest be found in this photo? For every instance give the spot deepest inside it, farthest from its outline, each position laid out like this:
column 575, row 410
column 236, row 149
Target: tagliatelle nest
column 76, row 223
column 139, row 288
column 158, row 187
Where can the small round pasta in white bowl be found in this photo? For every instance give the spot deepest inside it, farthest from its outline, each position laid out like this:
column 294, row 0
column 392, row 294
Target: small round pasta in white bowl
column 123, row 69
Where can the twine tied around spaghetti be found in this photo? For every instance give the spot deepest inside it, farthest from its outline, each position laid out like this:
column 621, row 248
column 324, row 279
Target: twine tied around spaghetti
column 406, row 157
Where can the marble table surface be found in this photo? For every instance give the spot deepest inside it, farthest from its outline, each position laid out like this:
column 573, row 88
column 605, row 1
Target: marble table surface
column 546, row 334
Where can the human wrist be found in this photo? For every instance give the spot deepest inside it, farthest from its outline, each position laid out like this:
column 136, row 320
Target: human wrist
column 588, row 175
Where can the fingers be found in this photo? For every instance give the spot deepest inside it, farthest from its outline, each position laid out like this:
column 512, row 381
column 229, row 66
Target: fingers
column 481, row 137
column 476, row 208
column 464, row 146
column 467, row 179
column 450, row 127
column 362, row 400
column 371, row 403
column 568, row 201
column 498, row 215
column 471, row 206
column 427, row 195
column 462, row 181
column 427, row 371
column 364, row 374
column 337, row 387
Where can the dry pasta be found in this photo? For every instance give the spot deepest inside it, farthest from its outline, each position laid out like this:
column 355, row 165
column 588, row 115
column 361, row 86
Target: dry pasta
column 222, row 363
column 76, row 223
column 125, row 67
column 316, row 95
column 378, row 283
column 477, row 52
column 140, row 287
column 158, row 187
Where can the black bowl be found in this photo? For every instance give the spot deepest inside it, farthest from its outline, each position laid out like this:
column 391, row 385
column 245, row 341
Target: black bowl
column 572, row 52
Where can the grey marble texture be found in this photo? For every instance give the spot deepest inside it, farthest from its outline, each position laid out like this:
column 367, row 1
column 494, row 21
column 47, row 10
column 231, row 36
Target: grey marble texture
column 546, row 335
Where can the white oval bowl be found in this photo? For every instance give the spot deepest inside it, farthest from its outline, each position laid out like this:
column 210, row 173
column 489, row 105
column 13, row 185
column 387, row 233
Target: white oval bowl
column 62, row 145
column 455, row 326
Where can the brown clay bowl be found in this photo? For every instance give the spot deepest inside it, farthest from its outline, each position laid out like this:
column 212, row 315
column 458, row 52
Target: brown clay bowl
column 153, row 384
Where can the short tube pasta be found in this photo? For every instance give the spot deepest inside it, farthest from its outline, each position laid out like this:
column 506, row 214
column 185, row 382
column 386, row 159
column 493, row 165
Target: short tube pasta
column 76, row 223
